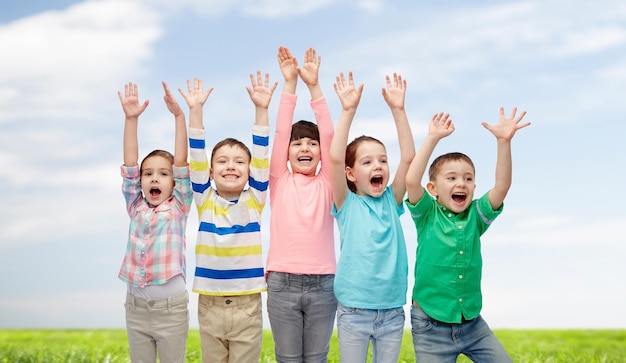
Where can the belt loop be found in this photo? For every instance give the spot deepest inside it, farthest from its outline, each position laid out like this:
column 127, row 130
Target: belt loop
column 287, row 278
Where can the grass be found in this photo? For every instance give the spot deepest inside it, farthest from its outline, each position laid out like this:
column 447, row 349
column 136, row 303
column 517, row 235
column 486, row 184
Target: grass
column 91, row 346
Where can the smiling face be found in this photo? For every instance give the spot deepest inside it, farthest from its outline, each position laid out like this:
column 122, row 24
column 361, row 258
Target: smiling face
column 157, row 179
column 370, row 170
column 304, row 156
column 230, row 169
column 452, row 183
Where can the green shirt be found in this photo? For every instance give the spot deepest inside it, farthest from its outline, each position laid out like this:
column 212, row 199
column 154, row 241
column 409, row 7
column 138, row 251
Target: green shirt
column 448, row 263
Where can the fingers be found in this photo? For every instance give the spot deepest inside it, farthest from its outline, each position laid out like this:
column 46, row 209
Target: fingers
column 398, row 82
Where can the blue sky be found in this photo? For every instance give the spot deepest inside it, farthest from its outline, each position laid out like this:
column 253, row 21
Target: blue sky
column 553, row 259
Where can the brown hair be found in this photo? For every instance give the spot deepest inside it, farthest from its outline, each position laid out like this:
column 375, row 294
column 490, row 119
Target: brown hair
column 162, row 153
column 351, row 154
column 442, row 159
column 229, row 141
column 302, row 129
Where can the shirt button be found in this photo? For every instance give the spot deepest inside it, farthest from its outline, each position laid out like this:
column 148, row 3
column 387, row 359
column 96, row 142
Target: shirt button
column 150, row 303
column 461, row 300
column 460, row 252
column 450, row 215
column 460, row 227
column 460, row 276
column 228, row 302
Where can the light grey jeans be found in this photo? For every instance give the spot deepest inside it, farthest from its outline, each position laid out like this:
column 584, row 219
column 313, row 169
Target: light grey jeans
column 159, row 325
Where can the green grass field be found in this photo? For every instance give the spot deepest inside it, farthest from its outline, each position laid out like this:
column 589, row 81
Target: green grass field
column 91, row 346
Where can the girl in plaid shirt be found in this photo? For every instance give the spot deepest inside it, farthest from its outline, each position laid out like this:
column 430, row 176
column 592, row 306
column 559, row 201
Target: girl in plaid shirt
column 158, row 198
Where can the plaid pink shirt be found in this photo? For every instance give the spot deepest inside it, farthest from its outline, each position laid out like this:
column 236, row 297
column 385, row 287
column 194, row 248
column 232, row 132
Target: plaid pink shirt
column 155, row 251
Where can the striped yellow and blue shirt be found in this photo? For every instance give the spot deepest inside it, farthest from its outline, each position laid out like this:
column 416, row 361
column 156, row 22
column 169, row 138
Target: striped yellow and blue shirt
column 229, row 257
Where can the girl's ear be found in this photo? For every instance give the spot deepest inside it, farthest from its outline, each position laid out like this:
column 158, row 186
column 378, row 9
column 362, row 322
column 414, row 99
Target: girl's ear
column 350, row 174
column 432, row 189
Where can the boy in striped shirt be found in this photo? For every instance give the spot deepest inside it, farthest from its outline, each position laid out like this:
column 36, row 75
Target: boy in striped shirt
column 229, row 275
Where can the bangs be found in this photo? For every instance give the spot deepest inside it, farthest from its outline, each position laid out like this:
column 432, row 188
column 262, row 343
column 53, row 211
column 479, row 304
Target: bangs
column 302, row 129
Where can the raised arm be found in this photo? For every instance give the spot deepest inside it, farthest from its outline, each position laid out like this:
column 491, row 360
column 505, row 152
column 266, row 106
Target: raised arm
column 284, row 118
column 261, row 95
column 180, row 136
column 310, row 72
column 349, row 97
column 439, row 127
column 394, row 96
column 196, row 97
column 504, row 132
column 289, row 68
column 132, row 110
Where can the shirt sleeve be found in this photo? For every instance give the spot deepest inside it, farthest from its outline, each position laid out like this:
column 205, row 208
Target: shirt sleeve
column 259, row 165
column 282, row 136
column 198, row 165
column 327, row 130
column 131, row 188
column 182, row 188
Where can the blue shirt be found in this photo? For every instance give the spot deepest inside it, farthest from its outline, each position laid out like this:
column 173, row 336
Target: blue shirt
column 372, row 268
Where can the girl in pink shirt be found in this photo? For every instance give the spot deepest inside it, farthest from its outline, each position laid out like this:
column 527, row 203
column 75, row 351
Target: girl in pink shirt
column 301, row 261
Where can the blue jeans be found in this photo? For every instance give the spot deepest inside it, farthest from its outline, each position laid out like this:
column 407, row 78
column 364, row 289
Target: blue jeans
column 357, row 327
column 301, row 310
column 436, row 341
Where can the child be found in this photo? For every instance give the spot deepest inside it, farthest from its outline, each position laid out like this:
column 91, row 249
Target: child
column 446, row 298
column 229, row 275
column 158, row 199
column 301, row 262
column 371, row 279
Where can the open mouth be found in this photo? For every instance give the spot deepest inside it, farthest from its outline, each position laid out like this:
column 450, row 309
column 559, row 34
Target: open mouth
column 305, row 159
column 459, row 197
column 377, row 181
column 155, row 192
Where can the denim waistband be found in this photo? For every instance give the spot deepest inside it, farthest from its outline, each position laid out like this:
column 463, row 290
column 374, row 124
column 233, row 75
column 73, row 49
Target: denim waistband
column 301, row 279
column 463, row 320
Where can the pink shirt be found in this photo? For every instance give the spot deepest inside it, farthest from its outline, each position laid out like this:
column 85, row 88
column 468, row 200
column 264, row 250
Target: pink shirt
column 301, row 226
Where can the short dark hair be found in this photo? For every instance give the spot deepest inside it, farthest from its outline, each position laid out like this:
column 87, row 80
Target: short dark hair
column 302, row 129
column 442, row 159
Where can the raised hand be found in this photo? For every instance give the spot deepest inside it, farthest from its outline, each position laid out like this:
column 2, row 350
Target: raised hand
column 288, row 64
column 196, row 96
column 506, row 128
column 260, row 91
column 130, row 101
column 349, row 95
column 395, row 92
column 170, row 101
column 309, row 72
column 440, row 126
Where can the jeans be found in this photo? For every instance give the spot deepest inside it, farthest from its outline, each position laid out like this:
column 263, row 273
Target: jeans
column 436, row 341
column 357, row 327
column 159, row 325
column 301, row 310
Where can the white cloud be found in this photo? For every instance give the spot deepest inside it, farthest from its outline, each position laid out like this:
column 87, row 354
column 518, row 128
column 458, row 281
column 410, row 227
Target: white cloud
column 254, row 9
column 62, row 61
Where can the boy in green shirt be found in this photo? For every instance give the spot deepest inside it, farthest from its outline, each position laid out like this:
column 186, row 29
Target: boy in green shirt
column 445, row 315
